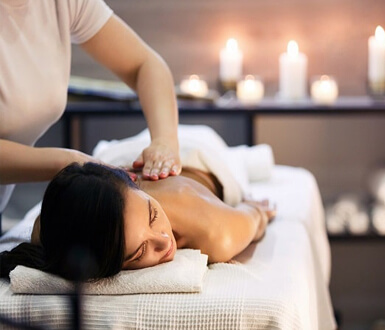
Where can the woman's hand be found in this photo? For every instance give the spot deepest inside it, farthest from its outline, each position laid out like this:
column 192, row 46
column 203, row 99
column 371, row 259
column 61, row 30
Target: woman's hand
column 269, row 212
column 159, row 160
column 266, row 213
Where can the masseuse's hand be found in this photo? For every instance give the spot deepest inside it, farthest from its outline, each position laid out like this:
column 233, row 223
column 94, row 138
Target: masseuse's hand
column 159, row 160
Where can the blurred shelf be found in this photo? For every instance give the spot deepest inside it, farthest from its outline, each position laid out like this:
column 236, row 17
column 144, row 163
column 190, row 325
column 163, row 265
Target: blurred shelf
column 369, row 237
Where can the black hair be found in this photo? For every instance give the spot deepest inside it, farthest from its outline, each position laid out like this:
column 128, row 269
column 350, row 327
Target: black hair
column 81, row 225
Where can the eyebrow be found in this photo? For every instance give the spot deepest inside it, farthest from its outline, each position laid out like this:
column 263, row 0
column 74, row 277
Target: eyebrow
column 130, row 256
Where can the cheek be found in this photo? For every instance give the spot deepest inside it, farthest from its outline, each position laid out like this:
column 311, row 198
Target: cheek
column 164, row 220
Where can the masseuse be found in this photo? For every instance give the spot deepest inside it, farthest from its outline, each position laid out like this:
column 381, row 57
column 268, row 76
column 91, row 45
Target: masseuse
column 35, row 57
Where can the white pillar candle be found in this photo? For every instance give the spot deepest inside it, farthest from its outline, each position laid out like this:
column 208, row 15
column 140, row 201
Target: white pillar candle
column 292, row 73
column 376, row 57
column 324, row 90
column 250, row 90
column 194, row 86
column 230, row 62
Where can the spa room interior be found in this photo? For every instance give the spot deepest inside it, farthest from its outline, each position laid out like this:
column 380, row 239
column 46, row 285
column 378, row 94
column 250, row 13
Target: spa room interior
column 307, row 79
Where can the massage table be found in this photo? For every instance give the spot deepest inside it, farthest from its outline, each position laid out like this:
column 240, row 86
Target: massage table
column 280, row 283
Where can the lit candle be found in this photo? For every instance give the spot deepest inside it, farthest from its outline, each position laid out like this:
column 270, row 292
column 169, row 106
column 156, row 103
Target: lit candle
column 231, row 58
column 250, row 90
column 194, row 86
column 376, row 60
column 292, row 73
column 324, row 90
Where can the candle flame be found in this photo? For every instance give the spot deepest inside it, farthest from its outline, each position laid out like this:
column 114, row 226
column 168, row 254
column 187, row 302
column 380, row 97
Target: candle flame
column 232, row 45
column 380, row 34
column 325, row 78
column 194, row 77
column 292, row 48
column 249, row 77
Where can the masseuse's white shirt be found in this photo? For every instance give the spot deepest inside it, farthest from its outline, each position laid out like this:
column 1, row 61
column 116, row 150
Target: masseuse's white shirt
column 35, row 59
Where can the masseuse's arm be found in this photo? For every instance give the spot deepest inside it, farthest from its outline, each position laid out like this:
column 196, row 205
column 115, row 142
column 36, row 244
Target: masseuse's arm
column 21, row 163
column 117, row 47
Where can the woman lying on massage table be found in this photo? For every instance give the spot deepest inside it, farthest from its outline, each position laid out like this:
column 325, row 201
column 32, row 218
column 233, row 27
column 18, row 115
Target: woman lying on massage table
column 127, row 225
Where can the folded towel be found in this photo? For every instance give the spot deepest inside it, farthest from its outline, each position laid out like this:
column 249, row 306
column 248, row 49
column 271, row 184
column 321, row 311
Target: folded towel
column 184, row 274
column 201, row 147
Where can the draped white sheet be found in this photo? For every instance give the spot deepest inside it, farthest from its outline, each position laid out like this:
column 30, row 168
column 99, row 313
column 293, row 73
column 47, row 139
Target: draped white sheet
column 280, row 283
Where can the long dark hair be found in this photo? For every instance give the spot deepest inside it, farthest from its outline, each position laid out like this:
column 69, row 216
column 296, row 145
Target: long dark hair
column 81, row 225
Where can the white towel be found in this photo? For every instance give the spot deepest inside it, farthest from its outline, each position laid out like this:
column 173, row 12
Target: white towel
column 201, row 147
column 184, row 274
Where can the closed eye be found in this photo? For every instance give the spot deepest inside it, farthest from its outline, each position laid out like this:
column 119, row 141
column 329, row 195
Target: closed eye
column 153, row 214
column 143, row 252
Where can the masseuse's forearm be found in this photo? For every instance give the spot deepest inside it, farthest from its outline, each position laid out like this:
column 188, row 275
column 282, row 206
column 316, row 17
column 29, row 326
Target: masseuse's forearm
column 155, row 88
column 21, row 163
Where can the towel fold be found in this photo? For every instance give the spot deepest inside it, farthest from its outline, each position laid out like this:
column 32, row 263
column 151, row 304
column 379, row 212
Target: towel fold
column 201, row 147
column 184, row 274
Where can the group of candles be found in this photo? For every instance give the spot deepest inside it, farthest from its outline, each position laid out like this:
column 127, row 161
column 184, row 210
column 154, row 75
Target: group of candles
column 292, row 75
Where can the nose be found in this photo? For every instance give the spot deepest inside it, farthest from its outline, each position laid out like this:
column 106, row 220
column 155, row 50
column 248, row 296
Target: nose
column 161, row 241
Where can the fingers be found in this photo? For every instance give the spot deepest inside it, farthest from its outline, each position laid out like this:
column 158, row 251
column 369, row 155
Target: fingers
column 159, row 170
column 138, row 163
column 264, row 206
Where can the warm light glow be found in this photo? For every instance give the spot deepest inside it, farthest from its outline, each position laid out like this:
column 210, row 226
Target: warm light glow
column 194, row 86
column 250, row 90
column 326, row 85
column 380, row 34
column 292, row 48
column 249, row 82
column 325, row 90
column 232, row 45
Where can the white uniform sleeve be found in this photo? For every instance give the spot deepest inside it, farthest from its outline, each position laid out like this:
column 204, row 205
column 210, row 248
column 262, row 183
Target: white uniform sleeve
column 87, row 17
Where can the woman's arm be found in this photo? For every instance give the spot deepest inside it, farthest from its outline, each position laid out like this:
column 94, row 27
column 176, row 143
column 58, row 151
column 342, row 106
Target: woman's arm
column 230, row 230
column 21, row 163
column 118, row 48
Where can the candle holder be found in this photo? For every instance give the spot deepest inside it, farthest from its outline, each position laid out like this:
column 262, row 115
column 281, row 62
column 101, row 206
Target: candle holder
column 324, row 90
column 376, row 89
column 225, row 86
column 230, row 66
column 194, row 86
column 250, row 90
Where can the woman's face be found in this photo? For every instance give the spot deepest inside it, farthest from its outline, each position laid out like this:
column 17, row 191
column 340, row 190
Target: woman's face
column 147, row 231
